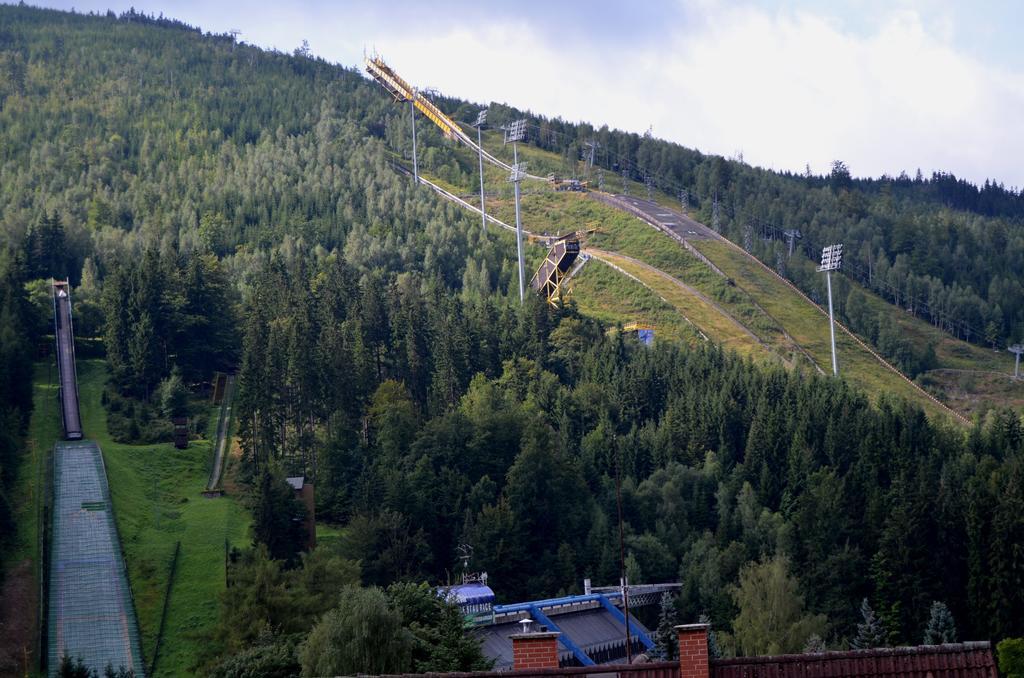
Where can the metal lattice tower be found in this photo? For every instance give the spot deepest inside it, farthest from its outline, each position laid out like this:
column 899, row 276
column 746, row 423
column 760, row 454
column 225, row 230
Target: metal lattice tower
column 600, row 179
column 792, row 235
column 649, row 183
column 684, row 201
column 625, row 186
column 831, row 260
column 748, row 237
column 716, row 219
column 591, row 147
column 515, row 133
column 481, row 118
column 1016, row 350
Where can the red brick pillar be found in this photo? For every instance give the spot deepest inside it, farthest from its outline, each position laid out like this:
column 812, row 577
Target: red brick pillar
column 693, row 651
column 535, row 650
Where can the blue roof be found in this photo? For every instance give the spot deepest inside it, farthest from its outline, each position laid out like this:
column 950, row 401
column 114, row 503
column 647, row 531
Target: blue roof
column 469, row 594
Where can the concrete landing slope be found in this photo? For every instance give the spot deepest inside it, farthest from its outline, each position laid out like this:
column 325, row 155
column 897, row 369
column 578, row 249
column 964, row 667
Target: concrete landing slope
column 90, row 610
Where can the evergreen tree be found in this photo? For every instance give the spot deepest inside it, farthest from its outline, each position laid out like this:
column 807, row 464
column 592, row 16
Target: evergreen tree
column 870, row 633
column 666, row 638
column 76, row 668
column 278, row 517
column 814, row 645
column 714, row 650
column 941, row 627
column 173, row 396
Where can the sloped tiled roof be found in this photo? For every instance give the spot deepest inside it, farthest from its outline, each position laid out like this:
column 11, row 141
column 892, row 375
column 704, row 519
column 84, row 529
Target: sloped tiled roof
column 957, row 660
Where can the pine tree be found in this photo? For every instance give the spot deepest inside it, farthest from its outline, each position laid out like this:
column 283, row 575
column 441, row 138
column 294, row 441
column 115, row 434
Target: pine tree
column 666, row 643
column 814, row 644
column 941, row 627
column 278, row 518
column 869, row 634
column 714, row 651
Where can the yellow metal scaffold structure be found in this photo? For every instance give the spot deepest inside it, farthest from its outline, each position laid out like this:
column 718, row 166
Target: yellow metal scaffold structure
column 402, row 91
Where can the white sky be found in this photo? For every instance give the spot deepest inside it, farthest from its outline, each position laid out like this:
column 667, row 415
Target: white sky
column 884, row 86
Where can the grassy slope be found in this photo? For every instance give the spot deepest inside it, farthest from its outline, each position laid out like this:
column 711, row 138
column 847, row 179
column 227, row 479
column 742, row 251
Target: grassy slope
column 602, row 293
column 157, row 501
column 809, row 327
column 784, row 323
column 624, row 234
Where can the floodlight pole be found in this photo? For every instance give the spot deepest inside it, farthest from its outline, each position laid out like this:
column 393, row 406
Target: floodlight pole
column 831, row 260
column 831, row 323
column 519, row 227
column 480, row 120
column 515, row 134
column 412, row 119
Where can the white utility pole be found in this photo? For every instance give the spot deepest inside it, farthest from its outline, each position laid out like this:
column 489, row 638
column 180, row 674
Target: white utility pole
column 515, row 133
column 412, row 119
column 481, row 118
column 831, row 260
column 1016, row 350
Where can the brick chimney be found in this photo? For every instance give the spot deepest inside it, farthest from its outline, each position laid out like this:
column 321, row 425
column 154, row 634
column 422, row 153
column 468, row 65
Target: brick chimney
column 535, row 650
column 693, row 651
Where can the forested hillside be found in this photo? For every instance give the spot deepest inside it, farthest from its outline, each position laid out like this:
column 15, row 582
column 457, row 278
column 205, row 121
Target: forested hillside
column 220, row 206
column 939, row 247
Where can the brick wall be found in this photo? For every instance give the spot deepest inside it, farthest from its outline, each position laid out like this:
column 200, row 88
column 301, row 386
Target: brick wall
column 535, row 650
column 693, row 651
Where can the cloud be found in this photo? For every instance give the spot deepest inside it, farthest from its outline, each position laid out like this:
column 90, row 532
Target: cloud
column 884, row 86
column 785, row 88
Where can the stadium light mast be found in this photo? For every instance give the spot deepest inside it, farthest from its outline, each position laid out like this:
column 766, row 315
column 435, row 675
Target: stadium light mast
column 515, row 133
column 1016, row 350
column 481, row 118
column 831, row 260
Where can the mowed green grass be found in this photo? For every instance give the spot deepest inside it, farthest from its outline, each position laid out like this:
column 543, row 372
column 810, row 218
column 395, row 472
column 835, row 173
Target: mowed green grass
column 809, row 327
column 625, row 234
column 44, row 431
column 701, row 313
column 605, row 294
column 156, row 492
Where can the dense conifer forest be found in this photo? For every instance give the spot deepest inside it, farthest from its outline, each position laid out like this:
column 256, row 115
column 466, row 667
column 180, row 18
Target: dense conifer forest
column 221, row 207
